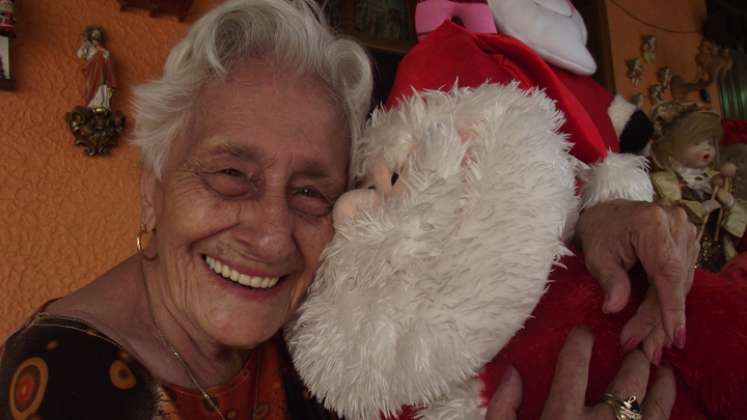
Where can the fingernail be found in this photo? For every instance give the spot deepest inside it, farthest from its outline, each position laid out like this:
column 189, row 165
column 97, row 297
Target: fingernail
column 629, row 344
column 656, row 357
column 680, row 336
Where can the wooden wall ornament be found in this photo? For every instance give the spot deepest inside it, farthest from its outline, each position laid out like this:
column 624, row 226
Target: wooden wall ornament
column 648, row 48
column 635, row 70
column 713, row 61
column 178, row 8
column 94, row 125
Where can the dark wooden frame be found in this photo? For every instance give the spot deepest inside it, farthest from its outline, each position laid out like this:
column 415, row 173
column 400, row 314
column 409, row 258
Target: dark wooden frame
column 594, row 13
column 10, row 83
column 347, row 26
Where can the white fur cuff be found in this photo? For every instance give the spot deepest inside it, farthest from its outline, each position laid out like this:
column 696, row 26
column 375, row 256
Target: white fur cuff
column 620, row 112
column 619, row 176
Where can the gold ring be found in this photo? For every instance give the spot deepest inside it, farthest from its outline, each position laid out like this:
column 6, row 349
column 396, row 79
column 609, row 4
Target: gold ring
column 627, row 409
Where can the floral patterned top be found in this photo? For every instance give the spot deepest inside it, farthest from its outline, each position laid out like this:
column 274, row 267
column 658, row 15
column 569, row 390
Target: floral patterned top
column 61, row 368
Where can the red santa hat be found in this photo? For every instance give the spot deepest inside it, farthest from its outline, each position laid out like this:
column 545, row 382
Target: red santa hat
column 452, row 55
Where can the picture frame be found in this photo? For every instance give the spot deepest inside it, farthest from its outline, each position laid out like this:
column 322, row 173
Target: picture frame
column 6, row 74
column 383, row 25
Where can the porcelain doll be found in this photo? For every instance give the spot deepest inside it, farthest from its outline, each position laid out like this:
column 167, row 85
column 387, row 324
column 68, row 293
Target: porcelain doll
column 685, row 154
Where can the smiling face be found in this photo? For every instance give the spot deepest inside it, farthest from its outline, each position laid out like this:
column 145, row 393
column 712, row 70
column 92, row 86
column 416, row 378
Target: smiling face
column 247, row 192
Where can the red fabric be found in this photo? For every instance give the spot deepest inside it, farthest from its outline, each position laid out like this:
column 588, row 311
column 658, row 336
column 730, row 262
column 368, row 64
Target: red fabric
column 596, row 101
column 735, row 131
column 450, row 53
column 257, row 391
column 711, row 371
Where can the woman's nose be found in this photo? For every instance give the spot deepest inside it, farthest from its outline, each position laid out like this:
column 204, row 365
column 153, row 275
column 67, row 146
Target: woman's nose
column 266, row 230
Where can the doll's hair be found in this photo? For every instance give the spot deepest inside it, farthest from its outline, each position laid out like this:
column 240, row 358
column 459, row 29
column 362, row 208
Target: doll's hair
column 684, row 130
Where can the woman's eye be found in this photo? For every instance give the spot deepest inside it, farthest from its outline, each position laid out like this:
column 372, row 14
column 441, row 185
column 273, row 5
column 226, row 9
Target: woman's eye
column 232, row 172
column 229, row 182
column 310, row 201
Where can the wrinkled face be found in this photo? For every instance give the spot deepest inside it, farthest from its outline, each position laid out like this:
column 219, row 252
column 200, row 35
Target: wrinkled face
column 698, row 154
column 243, row 209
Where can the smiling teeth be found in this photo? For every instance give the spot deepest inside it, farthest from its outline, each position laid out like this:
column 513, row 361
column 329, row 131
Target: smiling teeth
column 231, row 274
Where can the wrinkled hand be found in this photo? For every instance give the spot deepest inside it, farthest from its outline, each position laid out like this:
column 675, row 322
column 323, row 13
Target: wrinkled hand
column 710, row 205
column 615, row 235
column 725, row 198
column 567, row 394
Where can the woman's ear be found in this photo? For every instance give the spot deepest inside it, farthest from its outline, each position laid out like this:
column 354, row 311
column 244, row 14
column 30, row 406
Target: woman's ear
column 150, row 186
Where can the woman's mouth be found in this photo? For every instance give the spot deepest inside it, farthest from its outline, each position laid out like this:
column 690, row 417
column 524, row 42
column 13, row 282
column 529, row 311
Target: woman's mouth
column 228, row 273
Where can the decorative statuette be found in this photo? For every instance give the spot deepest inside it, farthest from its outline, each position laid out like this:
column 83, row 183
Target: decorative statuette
column 635, row 70
column 95, row 126
column 648, row 48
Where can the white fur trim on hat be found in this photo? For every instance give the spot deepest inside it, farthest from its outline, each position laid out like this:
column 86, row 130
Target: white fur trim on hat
column 619, row 175
column 415, row 296
column 620, row 111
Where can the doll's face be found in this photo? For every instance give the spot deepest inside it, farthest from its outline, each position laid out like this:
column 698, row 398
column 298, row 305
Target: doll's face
column 698, row 154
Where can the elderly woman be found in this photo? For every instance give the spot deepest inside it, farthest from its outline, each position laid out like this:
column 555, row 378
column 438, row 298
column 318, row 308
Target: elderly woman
column 245, row 143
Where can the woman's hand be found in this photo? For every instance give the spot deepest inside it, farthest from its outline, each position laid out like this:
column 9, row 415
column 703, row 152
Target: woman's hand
column 711, row 205
column 614, row 236
column 725, row 198
column 567, row 394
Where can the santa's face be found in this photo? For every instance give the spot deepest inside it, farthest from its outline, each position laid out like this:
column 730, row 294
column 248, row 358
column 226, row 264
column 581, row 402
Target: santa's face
column 698, row 154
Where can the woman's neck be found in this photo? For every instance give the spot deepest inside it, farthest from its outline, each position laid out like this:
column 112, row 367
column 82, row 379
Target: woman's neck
column 181, row 344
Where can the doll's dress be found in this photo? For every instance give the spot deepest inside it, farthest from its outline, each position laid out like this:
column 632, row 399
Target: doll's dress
column 672, row 189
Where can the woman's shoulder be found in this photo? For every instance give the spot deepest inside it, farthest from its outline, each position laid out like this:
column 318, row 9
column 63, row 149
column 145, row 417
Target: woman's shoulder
column 58, row 367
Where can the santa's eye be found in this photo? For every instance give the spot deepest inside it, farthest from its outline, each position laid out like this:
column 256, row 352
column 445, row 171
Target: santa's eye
column 395, row 177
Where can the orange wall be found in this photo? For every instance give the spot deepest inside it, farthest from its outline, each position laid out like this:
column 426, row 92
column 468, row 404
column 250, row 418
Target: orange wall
column 674, row 50
column 66, row 217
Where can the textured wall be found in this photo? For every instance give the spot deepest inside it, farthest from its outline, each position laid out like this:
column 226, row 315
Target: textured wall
column 674, row 50
column 66, row 217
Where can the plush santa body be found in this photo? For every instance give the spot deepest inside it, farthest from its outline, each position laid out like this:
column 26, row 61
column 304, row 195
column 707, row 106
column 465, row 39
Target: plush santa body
column 457, row 266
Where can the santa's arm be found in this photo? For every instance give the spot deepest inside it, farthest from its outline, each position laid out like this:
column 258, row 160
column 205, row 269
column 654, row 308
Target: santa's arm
column 713, row 363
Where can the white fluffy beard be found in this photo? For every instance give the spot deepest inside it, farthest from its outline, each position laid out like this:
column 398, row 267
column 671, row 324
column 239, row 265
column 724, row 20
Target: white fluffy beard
column 415, row 296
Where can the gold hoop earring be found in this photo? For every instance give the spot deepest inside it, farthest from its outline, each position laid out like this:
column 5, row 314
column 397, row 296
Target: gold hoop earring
column 139, row 243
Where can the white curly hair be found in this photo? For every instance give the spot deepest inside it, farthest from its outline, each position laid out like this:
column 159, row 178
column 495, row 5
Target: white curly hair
column 292, row 34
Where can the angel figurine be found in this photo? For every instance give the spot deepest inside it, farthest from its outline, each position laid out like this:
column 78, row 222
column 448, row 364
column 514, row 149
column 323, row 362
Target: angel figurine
column 635, row 70
column 648, row 49
column 685, row 154
column 97, row 69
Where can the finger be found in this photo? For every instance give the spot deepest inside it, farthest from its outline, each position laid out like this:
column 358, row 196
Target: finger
column 632, row 378
column 614, row 280
column 568, row 390
column 663, row 264
column 684, row 235
column 654, row 344
column 646, row 319
column 507, row 398
column 660, row 400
